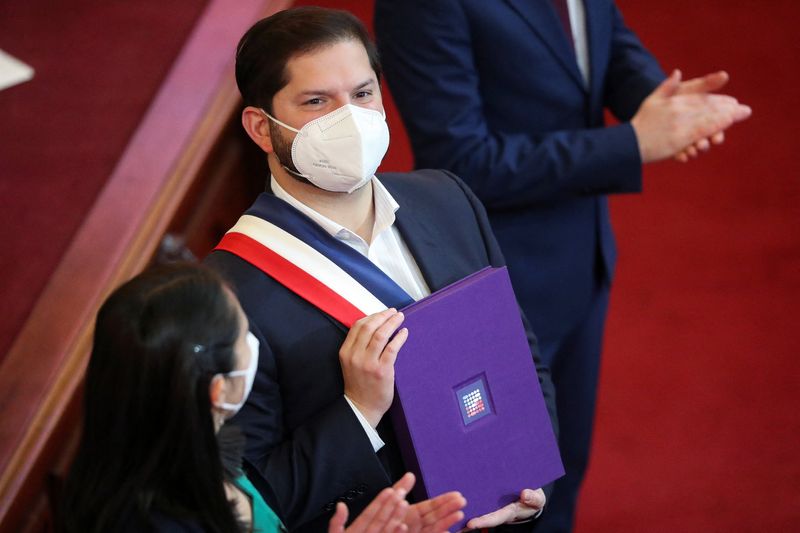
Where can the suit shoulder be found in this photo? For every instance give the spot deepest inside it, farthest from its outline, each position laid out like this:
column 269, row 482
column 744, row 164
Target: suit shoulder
column 432, row 183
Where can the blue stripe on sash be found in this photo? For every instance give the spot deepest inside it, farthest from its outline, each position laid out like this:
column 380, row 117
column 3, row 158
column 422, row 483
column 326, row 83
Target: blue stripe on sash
column 272, row 209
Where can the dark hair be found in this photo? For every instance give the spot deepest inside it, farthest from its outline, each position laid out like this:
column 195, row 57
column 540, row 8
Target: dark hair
column 148, row 446
column 266, row 48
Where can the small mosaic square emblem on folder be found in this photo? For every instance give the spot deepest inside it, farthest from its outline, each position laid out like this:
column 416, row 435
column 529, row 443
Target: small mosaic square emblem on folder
column 473, row 399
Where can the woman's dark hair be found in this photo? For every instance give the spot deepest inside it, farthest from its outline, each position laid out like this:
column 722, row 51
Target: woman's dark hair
column 148, row 446
column 266, row 48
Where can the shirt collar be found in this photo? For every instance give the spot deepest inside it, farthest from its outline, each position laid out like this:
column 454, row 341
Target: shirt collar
column 385, row 208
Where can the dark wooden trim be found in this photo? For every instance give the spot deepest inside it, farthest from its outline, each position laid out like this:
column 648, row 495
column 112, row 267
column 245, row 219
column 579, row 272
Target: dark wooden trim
column 40, row 376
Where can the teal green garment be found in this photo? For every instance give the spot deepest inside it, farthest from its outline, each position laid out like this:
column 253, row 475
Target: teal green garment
column 264, row 519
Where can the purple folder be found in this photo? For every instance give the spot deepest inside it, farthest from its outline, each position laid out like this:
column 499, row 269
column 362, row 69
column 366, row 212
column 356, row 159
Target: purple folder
column 468, row 410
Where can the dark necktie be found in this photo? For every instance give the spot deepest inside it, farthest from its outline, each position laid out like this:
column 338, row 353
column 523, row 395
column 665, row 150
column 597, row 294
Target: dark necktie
column 563, row 13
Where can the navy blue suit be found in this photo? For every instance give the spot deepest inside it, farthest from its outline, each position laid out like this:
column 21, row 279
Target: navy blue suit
column 301, row 434
column 492, row 91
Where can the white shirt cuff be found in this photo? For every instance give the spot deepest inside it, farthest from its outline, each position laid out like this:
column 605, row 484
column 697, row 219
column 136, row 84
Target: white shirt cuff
column 374, row 438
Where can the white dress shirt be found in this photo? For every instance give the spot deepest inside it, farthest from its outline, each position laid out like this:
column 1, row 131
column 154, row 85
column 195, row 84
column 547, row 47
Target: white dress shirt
column 387, row 251
column 577, row 23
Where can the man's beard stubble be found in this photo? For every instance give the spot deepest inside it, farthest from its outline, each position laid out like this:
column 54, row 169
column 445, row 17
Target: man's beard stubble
column 283, row 151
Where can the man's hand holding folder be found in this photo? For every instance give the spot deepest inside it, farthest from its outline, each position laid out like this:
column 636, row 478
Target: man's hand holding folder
column 367, row 358
column 530, row 504
column 469, row 413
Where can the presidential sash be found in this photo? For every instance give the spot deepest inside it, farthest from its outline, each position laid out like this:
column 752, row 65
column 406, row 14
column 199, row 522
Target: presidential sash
column 296, row 252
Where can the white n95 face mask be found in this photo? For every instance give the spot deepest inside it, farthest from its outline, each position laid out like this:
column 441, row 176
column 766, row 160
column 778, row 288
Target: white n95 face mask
column 248, row 373
column 340, row 151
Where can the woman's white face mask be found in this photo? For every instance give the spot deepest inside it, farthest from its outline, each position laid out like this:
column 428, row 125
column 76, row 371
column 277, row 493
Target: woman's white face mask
column 249, row 375
column 340, row 151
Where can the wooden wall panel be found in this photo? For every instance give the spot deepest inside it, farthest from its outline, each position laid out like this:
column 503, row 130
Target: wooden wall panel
column 183, row 150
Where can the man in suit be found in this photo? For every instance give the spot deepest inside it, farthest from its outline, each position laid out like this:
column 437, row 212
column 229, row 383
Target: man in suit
column 315, row 418
column 510, row 96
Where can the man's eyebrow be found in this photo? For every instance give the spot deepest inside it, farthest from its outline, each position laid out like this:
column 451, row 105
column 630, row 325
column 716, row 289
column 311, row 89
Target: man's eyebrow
column 364, row 84
column 323, row 92
column 315, row 92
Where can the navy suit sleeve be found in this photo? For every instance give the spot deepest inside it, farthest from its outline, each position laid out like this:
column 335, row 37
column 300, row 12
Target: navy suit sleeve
column 428, row 55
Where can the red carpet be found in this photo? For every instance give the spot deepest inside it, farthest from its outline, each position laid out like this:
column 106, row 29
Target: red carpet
column 697, row 428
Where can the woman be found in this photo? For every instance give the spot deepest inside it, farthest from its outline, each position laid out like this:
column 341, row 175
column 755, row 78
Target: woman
column 172, row 360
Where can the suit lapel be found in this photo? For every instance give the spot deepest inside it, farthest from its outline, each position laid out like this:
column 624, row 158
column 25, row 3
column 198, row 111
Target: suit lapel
column 543, row 19
column 423, row 245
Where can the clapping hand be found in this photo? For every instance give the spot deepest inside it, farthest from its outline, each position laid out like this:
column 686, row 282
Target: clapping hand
column 390, row 512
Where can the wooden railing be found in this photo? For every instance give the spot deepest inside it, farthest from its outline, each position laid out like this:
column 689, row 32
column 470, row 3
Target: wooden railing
column 187, row 172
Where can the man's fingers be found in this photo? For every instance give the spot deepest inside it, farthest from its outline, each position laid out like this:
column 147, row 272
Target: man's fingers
column 670, row 85
column 380, row 337
column 360, row 326
column 375, row 506
column 716, row 80
column 395, row 525
column 529, row 503
column 682, row 119
column 705, row 118
column 389, row 354
column 718, row 138
column 431, row 510
column 378, row 513
column 337, row 522
column 495, row 518
column 533, row 498
column 371, row 322
column 705, row 84
column 742, row 112
column 727, row 107
column 404, row 485
column 439, row 513
column 361, row 333
column 393, row 510
column 444, row 522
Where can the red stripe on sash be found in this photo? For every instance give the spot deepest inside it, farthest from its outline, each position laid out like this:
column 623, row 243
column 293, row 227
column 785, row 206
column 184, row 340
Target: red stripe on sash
column 291, row 276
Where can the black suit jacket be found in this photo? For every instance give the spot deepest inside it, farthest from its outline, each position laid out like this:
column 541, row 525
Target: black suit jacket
column 302, row 434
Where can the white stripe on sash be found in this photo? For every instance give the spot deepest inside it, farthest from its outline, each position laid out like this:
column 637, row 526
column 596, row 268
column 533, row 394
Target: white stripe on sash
column 309, row 260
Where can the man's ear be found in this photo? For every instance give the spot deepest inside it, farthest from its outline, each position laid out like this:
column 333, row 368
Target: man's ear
column 216, row 390
column 256, row 124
